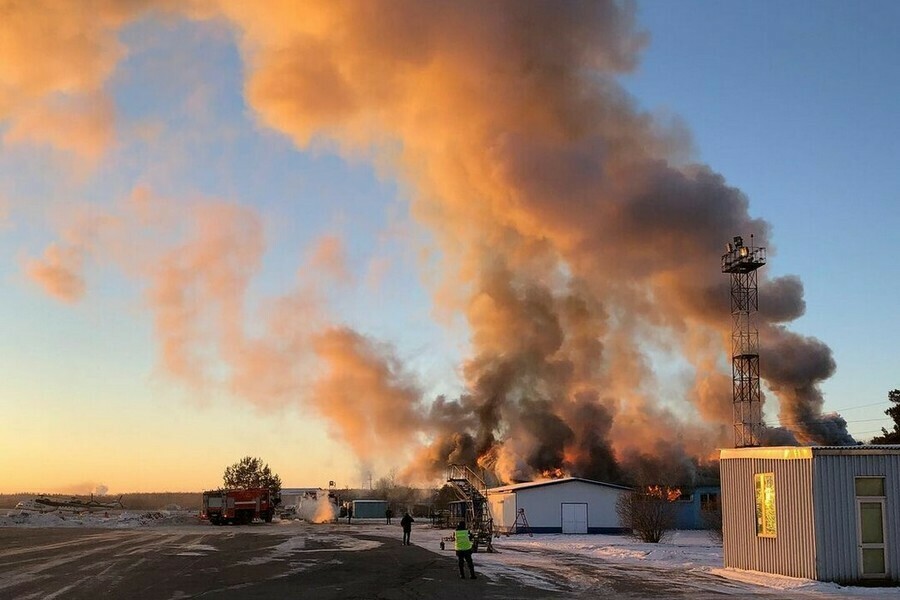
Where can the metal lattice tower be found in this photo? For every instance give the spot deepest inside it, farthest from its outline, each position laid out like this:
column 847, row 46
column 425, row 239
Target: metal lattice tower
column 742, row 263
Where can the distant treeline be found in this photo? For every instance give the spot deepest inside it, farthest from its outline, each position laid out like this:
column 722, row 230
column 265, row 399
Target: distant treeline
column 136, row 501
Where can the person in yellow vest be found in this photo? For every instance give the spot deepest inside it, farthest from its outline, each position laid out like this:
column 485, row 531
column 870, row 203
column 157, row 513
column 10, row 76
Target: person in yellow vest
column 464, row 550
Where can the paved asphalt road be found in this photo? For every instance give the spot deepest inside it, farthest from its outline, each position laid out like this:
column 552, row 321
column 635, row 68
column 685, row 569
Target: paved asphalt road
column 322, row 562
column 231, row 562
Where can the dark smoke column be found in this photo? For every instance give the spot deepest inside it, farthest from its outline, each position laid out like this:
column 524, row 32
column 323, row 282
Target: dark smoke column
column 742, row 262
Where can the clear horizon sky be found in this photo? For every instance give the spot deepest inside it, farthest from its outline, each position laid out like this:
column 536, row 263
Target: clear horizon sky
column 793, row 103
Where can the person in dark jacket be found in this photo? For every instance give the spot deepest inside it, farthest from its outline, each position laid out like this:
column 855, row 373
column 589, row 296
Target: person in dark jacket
column 388, row 513
column 406, row 523
column 463, row 545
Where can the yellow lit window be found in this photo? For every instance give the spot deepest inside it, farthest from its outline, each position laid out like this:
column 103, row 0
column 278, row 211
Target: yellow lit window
column 765, row 504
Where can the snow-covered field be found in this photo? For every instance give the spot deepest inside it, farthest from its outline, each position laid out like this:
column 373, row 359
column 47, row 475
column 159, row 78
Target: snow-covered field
column 691, row 558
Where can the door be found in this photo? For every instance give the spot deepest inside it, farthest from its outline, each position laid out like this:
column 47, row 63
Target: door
column 871, row 538
column 574, row 518
column 509, row 512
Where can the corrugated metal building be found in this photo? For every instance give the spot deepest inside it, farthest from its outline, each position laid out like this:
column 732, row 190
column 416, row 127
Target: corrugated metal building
column 826, row 513
column 695, row 508
column 565, row 505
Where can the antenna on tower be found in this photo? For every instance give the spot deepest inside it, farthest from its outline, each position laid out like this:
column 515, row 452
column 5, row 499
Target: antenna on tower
column 742, row 262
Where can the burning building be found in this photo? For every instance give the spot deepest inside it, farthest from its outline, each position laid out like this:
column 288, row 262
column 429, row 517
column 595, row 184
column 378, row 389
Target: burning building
column 565, row 505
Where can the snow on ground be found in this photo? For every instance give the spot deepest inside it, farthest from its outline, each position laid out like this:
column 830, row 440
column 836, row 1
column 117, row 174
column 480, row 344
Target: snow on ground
column 117, row 519
column 538, row 560
column 685, row 551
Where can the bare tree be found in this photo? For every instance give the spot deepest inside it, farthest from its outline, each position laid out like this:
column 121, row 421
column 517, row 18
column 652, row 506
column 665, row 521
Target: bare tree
column 649, row 513
column 398, row 495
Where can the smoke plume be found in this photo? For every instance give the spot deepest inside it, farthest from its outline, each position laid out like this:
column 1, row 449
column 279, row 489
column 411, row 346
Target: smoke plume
column 572, row 235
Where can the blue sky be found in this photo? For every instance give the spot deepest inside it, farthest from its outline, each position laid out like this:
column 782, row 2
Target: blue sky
column 794, row 103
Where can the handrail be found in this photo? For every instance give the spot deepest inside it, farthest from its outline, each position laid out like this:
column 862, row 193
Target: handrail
column 457, row 472
column 473, row 490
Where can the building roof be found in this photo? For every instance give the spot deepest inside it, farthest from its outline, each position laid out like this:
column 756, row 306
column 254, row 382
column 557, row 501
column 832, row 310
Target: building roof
column 542, row 482
column 805, row 452
column 292, row 491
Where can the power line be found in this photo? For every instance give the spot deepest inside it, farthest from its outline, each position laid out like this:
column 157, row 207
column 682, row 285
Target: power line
column 868, row 432
column 862, row 406
column 815, row 421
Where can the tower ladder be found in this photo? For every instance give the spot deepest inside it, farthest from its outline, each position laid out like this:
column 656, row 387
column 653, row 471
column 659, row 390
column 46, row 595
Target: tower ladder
column 472, row 489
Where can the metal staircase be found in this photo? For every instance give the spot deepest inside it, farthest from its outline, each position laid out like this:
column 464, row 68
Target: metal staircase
column 472, row 489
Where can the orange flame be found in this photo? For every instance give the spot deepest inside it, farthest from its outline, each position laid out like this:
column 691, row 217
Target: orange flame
column 669, row 494
column 556, row 473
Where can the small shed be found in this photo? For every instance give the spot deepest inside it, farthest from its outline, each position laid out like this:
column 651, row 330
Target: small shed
column 369, row 509
column 830, row 513
column 565, row 505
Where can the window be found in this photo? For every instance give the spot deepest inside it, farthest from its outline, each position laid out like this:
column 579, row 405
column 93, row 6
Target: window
column 870, row 486
column 765, row 504
column 709, row 502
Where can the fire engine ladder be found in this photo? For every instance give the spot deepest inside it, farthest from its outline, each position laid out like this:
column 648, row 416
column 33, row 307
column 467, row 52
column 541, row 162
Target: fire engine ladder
column 471, row 488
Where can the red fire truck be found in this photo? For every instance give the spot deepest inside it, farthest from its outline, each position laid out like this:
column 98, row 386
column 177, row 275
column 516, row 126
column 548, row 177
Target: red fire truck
column 221, row 507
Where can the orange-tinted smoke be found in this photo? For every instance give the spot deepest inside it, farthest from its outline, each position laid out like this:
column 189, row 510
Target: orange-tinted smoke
column 58, row 272
column 364, row 394
column 538, row 176
column 570, row 234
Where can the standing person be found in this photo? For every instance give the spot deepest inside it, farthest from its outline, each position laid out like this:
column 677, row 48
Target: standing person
column 349, row 512
column 406, row 523
column 388, row 513
column 464, row 550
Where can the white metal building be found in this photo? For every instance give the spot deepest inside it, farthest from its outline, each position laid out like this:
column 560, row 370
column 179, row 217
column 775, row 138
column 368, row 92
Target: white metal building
column 826, row 513
column 566, row 505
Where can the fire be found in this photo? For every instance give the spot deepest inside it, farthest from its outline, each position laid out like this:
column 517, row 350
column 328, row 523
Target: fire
column 556, row 473
column 669, row 494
